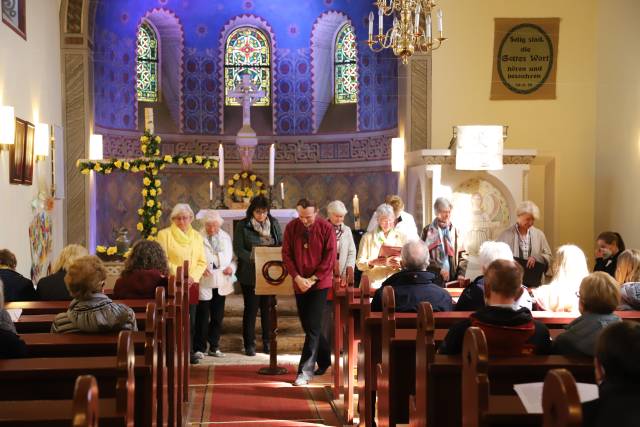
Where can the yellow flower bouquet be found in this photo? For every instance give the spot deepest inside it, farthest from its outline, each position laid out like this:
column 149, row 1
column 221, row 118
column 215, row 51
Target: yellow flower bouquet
column 241, row 187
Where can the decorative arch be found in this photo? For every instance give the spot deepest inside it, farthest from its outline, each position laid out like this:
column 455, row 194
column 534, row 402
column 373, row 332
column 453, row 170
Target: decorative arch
column 323, row 37
column 247, row 20
column 170, row 32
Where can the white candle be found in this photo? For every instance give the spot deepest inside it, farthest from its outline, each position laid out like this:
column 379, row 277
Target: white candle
column 370, row 25
column 356, row 206
column 221, row 165
column 428, row 26
column 272, row 164
column 416, row 21
column 380, row 23
column 282, row 191
column 440, row 21
column 210, row 190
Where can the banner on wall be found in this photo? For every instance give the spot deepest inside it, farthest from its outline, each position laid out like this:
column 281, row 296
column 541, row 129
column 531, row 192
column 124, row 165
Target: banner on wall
column 525, row 58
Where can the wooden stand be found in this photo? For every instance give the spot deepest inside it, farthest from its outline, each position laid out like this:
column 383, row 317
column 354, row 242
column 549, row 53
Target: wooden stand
column 273, row 368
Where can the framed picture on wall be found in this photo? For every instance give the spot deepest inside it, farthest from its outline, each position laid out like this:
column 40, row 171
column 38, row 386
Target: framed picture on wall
column 15, row 16
column 21, row 154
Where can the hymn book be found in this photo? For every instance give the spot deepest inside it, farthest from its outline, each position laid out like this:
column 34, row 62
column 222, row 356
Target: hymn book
column 530, row 395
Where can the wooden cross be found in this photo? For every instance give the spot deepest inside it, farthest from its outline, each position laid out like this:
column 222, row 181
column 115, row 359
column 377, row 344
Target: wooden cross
column 150, row 163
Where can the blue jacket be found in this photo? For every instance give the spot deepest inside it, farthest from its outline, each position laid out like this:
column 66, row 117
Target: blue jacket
column 411, row 288
column 581, row 334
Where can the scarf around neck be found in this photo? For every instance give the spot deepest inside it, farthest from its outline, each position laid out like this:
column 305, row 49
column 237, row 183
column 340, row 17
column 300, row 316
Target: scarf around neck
column 264, row 230
column 439, row 242
column 184, row 239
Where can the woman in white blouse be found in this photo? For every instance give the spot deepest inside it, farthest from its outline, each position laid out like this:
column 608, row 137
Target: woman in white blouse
column 215, row 286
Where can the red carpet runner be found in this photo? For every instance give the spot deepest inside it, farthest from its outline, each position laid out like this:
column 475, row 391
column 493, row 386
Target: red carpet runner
column 237, row 395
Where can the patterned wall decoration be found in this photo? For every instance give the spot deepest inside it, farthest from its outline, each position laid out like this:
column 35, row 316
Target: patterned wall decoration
column 203, row 21
column 120, row 202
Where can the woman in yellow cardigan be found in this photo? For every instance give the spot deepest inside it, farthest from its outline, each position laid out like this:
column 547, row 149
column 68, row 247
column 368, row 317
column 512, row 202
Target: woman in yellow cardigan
column 181, row 242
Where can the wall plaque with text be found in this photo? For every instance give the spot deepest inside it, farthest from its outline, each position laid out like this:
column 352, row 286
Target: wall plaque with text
column 525, row 58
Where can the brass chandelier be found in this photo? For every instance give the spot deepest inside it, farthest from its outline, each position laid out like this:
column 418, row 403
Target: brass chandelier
column 411, row 30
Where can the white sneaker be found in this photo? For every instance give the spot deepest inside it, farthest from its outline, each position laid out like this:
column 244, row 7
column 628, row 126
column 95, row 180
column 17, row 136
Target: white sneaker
column 215, row 353
column 301, row 380
column 199, row 355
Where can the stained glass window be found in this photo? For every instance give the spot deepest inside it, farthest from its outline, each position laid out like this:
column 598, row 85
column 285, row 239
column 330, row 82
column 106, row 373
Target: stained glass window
column 247, row 51
column 147, row 64
column 346, row 67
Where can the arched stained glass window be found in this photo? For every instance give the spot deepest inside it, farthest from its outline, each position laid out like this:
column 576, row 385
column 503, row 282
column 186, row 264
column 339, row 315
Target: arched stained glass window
column 247, row 51
column 147, row 64
column 345, row 66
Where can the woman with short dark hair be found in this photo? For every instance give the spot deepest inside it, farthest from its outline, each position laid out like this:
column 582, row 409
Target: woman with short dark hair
column 145, row 269
column 16, row 286
column 258, row 228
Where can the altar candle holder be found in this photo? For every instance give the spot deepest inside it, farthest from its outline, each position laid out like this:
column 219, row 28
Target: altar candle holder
column 272, row 202
column 356, row 222
column 220, row 204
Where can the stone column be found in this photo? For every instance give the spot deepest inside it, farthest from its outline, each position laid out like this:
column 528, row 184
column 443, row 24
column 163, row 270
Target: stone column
column 77, row 96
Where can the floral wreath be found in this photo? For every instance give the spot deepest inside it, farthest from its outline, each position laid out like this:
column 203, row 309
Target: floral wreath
column 245, row 184
column 149, row 164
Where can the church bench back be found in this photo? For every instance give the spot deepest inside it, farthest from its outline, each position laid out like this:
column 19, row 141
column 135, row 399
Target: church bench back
column 32, row 323
column 54, row 379
column 82, row 411
column 481, row 407
column 145, row 345
column 55, row 307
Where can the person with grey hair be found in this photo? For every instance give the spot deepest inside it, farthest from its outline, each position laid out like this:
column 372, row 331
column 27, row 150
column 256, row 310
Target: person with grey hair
column 215, row 286
column 378, row 268
column 528, row 243
column 448, row 259
column 473, row 298
column 11, row 346
column 414, row 284
column 404, row 222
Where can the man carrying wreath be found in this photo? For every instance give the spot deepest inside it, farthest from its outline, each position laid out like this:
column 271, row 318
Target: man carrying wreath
column 308, row 253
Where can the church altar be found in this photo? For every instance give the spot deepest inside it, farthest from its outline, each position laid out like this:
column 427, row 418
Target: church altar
column 284, row 216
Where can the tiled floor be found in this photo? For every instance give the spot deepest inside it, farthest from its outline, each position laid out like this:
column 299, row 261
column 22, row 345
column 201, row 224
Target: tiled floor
column 256, row 400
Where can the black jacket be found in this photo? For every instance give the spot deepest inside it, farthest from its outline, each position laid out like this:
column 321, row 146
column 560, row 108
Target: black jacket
column 16, row 286
column 617, row 405
column 11, row 346
column 411, row 288
column 608, row 265
column 52, row 287
column 244, row 239
column 499, row 317
column 472, row 297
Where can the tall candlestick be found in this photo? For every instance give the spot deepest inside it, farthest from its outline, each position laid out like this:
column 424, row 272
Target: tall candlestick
column 221, row 165
column 272, row 163
column 356, row 206
column 211, row 190
column 282, row 191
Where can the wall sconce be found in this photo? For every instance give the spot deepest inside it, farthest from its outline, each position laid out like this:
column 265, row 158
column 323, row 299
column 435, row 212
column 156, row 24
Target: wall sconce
column 95, row 147
column 42, row 141
column 7, row 126
column 397, row 155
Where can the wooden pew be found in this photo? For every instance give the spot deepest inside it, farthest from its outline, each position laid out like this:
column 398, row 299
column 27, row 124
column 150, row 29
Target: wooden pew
column 174, row 361
column 81, row 411
column 53, row 380
column 146, row 367
column 33, row 323
column 481, row 407
column 55, row 307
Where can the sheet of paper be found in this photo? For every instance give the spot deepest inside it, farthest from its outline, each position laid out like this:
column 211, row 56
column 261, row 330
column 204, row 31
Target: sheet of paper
column 531, row 395
column 14, row 313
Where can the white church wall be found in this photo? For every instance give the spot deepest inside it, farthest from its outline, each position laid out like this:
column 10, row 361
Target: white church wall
column 618, row 120
column 561, row 130
column 30, row 82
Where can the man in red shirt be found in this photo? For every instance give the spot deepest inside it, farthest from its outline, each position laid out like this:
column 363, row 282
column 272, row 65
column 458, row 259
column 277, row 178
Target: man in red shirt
column 308, row 253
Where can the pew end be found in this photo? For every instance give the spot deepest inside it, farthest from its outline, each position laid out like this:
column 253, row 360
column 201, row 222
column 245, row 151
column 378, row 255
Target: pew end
column 85, row 402
column 560, row 400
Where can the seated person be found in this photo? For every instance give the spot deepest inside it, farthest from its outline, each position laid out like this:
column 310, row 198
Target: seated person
column 91, row 310
column 414, row 283
column 472, row 297
column 598, row 297
column 52, row 287
column 11, row 346
column 16, row 286
column 510, row 330
column 618, row 376
column 145, row 269
column 569, row 268
column 628, row 276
